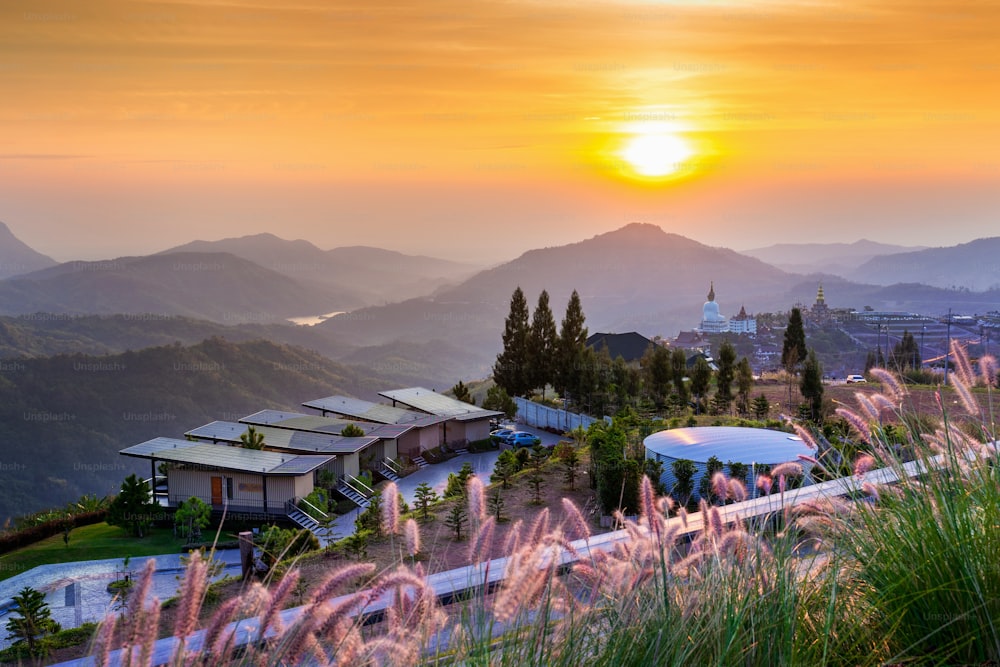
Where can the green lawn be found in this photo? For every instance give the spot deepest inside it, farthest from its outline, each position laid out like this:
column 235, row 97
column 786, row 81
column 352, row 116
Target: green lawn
column 92, row 542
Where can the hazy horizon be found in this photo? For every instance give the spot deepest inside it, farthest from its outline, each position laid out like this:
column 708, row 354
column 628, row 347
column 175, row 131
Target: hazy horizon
column 476, row 131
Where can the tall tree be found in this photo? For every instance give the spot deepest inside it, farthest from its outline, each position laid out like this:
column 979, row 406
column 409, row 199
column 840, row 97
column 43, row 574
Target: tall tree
column 726, row 373
column 133, row 507
column 701, row 377
column 744, row 385
column 812, row 386
column 461, row 392
column 658, row 373
column 498, row 399
column 905, row 353
column 678, row 363
column 570, row 346
column 31, row 620
column 511, row 368
column 542, row 344
column 793, row 349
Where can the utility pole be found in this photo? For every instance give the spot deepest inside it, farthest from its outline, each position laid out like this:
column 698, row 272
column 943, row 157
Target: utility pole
column 947, row 350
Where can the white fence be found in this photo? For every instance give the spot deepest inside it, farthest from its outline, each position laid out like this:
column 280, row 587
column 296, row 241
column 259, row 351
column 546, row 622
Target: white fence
column 536, row 414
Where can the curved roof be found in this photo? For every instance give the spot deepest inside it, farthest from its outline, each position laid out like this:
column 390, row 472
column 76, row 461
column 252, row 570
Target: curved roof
column 727, row 443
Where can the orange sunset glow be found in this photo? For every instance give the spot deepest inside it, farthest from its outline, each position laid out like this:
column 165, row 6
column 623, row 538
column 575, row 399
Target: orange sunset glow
column 131, row 126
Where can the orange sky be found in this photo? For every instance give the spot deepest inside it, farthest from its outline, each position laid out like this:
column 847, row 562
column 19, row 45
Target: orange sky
column 477, row 130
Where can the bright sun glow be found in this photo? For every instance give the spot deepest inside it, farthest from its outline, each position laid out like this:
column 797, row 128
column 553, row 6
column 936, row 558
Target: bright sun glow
column 656, row 154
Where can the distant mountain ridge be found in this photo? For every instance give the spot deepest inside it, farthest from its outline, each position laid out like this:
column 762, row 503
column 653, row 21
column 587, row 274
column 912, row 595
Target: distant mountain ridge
column 214, row 286
column 971, row 266
column 836, row 258
column 361, row 274
column 637, row 278
column 17, row 257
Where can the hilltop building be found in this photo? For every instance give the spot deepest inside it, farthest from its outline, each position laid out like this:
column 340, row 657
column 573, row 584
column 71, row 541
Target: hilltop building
column 743, row 323
column 820, row 311
column 712, row 321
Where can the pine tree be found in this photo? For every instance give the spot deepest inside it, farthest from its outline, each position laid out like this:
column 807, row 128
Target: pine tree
column 495, row 506
column 812, row 386
column 32, row 620
column 512, row 365
column 456, row 519
column 744, row 385
column 423, row 497
column 133, row 507
column 678, row 364
column 726, row 373
column 498, row 399
column 569, row 348
column 701, row 376
column 793, row 349
column 571, row 468
column 761, row 407
column 505, row 468
column 461, row 393
column 905, row 354
column 658, row 371
column 542, row 344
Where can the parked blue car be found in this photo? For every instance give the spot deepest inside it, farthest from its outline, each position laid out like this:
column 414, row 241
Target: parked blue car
column 498, row 435
column 522, row 439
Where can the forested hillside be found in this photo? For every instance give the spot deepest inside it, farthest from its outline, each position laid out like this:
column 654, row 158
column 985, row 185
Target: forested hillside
column 64, row 418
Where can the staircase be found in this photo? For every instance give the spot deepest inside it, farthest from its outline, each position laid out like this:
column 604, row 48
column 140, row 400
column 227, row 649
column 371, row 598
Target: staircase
column 388, row 473
column 420, row 461
column 353, row 494
column 462, row 450
column 293, row 512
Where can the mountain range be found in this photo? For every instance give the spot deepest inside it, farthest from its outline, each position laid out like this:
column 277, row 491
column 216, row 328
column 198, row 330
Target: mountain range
column 17, row 257
column 839, row 259
column 361, row 275
column 637, row 278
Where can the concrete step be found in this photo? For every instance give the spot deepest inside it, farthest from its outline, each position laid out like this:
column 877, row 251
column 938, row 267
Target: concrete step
column 420, row 461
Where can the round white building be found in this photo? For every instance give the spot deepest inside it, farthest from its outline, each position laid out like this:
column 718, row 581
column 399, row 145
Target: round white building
column 752, row 447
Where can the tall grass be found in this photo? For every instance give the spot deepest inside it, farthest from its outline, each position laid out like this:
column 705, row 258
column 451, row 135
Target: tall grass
column 908, row 575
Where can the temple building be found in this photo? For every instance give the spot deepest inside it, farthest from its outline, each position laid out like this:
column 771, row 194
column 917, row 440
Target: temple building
column 820, row 311
column 712, row 321
column 743, row 323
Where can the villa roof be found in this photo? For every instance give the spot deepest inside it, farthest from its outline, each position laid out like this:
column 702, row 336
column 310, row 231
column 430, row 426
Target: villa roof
column 298, row 421
column 225, row 457
column 373, row 412
column 279, row 438
column 431, row 402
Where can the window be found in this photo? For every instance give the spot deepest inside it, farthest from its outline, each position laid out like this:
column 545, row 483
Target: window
column 229, row 488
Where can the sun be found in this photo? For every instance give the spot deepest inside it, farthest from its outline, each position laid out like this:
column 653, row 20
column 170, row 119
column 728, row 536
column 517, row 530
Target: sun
column 656, row 154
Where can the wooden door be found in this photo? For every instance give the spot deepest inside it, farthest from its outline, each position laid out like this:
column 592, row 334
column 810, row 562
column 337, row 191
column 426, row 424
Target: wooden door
column 216, row 490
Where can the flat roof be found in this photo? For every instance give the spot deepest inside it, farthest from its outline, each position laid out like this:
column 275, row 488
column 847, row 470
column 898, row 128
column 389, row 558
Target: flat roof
column 431, row 402
column 373, row 412
column 280, row 438
column 727, row 443
column 298, row 421
column 226, row 457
